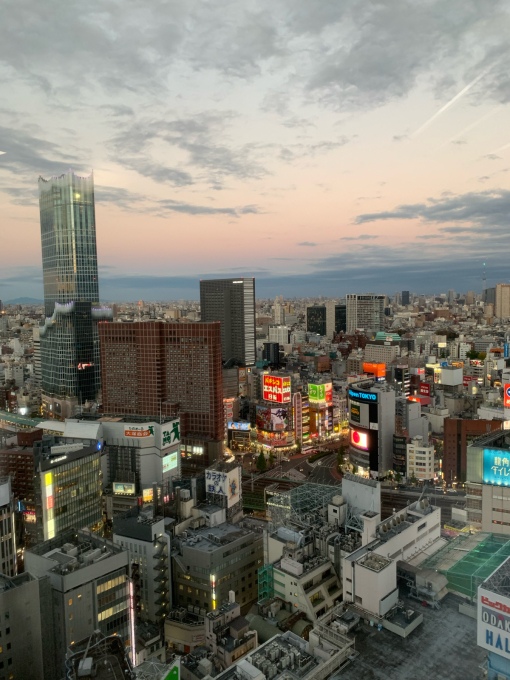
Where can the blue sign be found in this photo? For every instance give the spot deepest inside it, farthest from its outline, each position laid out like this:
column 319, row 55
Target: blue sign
column 444, row 363
column 506, row 350
column 496, row 467
column 363, row 396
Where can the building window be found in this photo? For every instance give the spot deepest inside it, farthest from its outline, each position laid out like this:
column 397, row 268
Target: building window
column 70, row 601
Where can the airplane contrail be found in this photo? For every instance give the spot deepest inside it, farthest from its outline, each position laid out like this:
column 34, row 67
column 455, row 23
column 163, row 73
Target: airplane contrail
column 471, row 126
column 451, row 102
column 501, row 148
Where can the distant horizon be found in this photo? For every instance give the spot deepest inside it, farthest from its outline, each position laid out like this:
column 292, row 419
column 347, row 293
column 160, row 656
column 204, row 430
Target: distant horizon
column 324, row 148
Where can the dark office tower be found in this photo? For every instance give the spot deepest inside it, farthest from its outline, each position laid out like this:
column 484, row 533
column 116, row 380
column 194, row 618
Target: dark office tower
column 316, row 319
column 232, row 303
column 70, row 369
column 405, row 298
column 271, row 353
column 340, row 318
column 173, row 369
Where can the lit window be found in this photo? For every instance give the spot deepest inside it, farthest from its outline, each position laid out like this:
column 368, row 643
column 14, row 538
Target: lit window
column 70, row 601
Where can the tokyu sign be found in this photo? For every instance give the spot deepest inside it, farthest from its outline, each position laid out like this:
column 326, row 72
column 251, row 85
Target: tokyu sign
column 170, row 433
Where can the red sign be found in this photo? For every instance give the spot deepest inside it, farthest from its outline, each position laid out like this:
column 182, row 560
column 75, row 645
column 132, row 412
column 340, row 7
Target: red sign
column 276, row 389
column 329, row 393
column 506, row 392
column 467, row 379
column 359, row 439
column 425, row 389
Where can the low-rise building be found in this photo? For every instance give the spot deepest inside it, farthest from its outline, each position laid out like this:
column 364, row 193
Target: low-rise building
column 420, row 459
column 90, row 588
column 209, row 561
column 185, row 628
column 227, row 633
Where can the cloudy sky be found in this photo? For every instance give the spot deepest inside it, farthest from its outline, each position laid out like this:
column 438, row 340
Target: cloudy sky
column 323, row 147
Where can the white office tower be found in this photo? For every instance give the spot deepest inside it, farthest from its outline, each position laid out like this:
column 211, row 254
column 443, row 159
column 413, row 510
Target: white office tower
column 365, row 312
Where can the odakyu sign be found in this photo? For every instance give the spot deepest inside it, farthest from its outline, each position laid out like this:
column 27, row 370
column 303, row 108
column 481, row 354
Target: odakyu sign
column 493, row 625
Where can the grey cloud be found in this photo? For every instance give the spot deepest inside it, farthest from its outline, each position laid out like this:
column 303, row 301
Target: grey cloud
column 393, row 43
column 307, row 243
column 198, row 137
column 119, row 109
column 26, row 154
column 489, row 209
column 361, row 237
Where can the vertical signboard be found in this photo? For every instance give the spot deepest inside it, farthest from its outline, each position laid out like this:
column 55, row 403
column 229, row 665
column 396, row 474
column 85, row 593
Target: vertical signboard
column 276, row 388
column 506, row 350
column 170, row 433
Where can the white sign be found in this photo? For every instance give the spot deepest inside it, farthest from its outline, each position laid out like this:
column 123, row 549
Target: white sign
column 66, row 448
column 170, row 433
column 225, row 483
column 494, row 622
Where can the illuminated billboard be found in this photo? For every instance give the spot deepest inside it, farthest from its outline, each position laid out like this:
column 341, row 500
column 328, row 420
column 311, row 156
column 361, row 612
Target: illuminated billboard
column 272, row 419
column 355, row 412
column 170, row 462
column 273, row 438
column 496, row 467
column 238, row 426
column 359, row 439
column 425, row 389
column 362, row 396
column 147, row 495
column 276, row 388
column 320, row 394
column 506, row 392
column 123, row 488
column 378, row 370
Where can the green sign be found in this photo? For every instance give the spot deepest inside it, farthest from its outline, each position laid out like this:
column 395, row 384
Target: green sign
column 317, row 392
column 170, row 433
column 173, row 675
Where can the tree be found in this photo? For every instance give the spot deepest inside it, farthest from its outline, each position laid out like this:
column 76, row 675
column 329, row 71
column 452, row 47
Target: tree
column 261, row 462
column 482, row 356
column 398, row 477
column 298, row 447
column 472, row 354
column 354, row 469
column 271, row 458
column 413, row 480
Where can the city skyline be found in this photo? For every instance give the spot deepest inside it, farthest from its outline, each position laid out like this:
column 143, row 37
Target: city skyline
column 290, row 147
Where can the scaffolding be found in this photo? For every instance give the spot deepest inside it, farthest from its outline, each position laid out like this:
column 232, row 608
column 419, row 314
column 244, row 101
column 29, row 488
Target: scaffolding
column 300, row 505
column 475, row 566
column 266, row 582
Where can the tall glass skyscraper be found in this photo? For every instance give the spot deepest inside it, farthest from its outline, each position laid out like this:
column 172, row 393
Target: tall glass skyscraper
column 70, row 368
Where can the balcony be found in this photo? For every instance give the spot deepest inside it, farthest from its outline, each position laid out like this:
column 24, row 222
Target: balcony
column 318, row 601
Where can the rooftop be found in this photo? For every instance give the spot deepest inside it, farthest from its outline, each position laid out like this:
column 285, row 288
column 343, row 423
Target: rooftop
column 101, row 655
column 71, row 550
column 498, row 439
column 209, row 539
column 136, row 523
column 374, row 562
column 499, row 581
column 385, row 656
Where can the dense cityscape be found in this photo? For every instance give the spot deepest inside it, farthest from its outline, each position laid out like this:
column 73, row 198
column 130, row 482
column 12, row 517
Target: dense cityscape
column 242, row 488
column 254, row 340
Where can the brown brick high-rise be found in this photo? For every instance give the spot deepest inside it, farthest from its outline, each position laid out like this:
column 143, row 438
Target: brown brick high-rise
column 458, row 434
column 148, row 368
